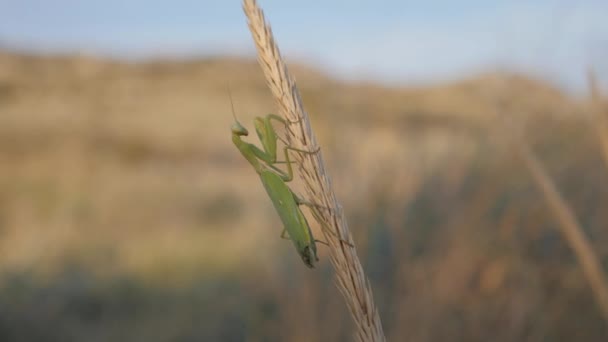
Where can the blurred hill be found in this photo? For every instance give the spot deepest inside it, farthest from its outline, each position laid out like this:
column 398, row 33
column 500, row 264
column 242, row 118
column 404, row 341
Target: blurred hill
column 123, row 202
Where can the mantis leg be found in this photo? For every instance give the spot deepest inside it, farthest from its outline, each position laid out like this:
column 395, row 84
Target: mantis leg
column 309, row 204
column 322, row 242
column 298, row 150
column 267, row 159
column 274, row 117
column 326, row 228
column 269, row 128
column 283, row 234
column 268, row 125
column 282, row 120
column 288, row 176
column 287, row 238
column 268, row 137
column 304, row 151
column 314, row 209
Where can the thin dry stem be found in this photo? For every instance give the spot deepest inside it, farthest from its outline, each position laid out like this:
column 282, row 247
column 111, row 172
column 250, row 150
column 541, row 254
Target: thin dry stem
column 569, row 227
column 350, row 278
column 599, row 115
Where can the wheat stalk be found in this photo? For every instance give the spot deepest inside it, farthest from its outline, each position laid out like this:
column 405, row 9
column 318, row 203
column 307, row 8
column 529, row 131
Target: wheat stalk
column 350, row 278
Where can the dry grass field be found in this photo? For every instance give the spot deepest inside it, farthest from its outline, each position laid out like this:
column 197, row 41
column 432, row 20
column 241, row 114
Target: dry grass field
column 127, row 215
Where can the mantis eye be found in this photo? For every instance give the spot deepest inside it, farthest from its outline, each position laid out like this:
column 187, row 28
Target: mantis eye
column 238, row 129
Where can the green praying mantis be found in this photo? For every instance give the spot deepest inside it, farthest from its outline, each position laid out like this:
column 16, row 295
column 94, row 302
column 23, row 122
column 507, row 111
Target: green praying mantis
column 285, row 201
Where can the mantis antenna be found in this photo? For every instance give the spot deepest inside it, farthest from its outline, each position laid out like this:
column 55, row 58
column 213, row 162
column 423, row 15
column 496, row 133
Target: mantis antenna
column 231, row 102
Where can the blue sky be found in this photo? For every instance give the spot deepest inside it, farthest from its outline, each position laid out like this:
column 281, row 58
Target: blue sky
column 388, row 41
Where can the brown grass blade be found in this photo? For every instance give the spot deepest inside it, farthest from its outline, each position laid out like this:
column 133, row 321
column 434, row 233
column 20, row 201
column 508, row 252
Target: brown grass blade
column 350, row 277
column 599, row 114
column 569, row 227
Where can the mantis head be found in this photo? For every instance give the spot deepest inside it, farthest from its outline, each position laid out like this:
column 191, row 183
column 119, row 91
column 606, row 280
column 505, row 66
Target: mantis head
column 238, row 129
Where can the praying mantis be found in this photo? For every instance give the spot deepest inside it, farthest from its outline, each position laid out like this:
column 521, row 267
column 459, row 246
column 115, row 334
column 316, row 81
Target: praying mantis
column 285, row 201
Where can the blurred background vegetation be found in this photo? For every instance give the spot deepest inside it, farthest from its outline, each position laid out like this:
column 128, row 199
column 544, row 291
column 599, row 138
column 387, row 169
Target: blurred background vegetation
column 127, row 215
